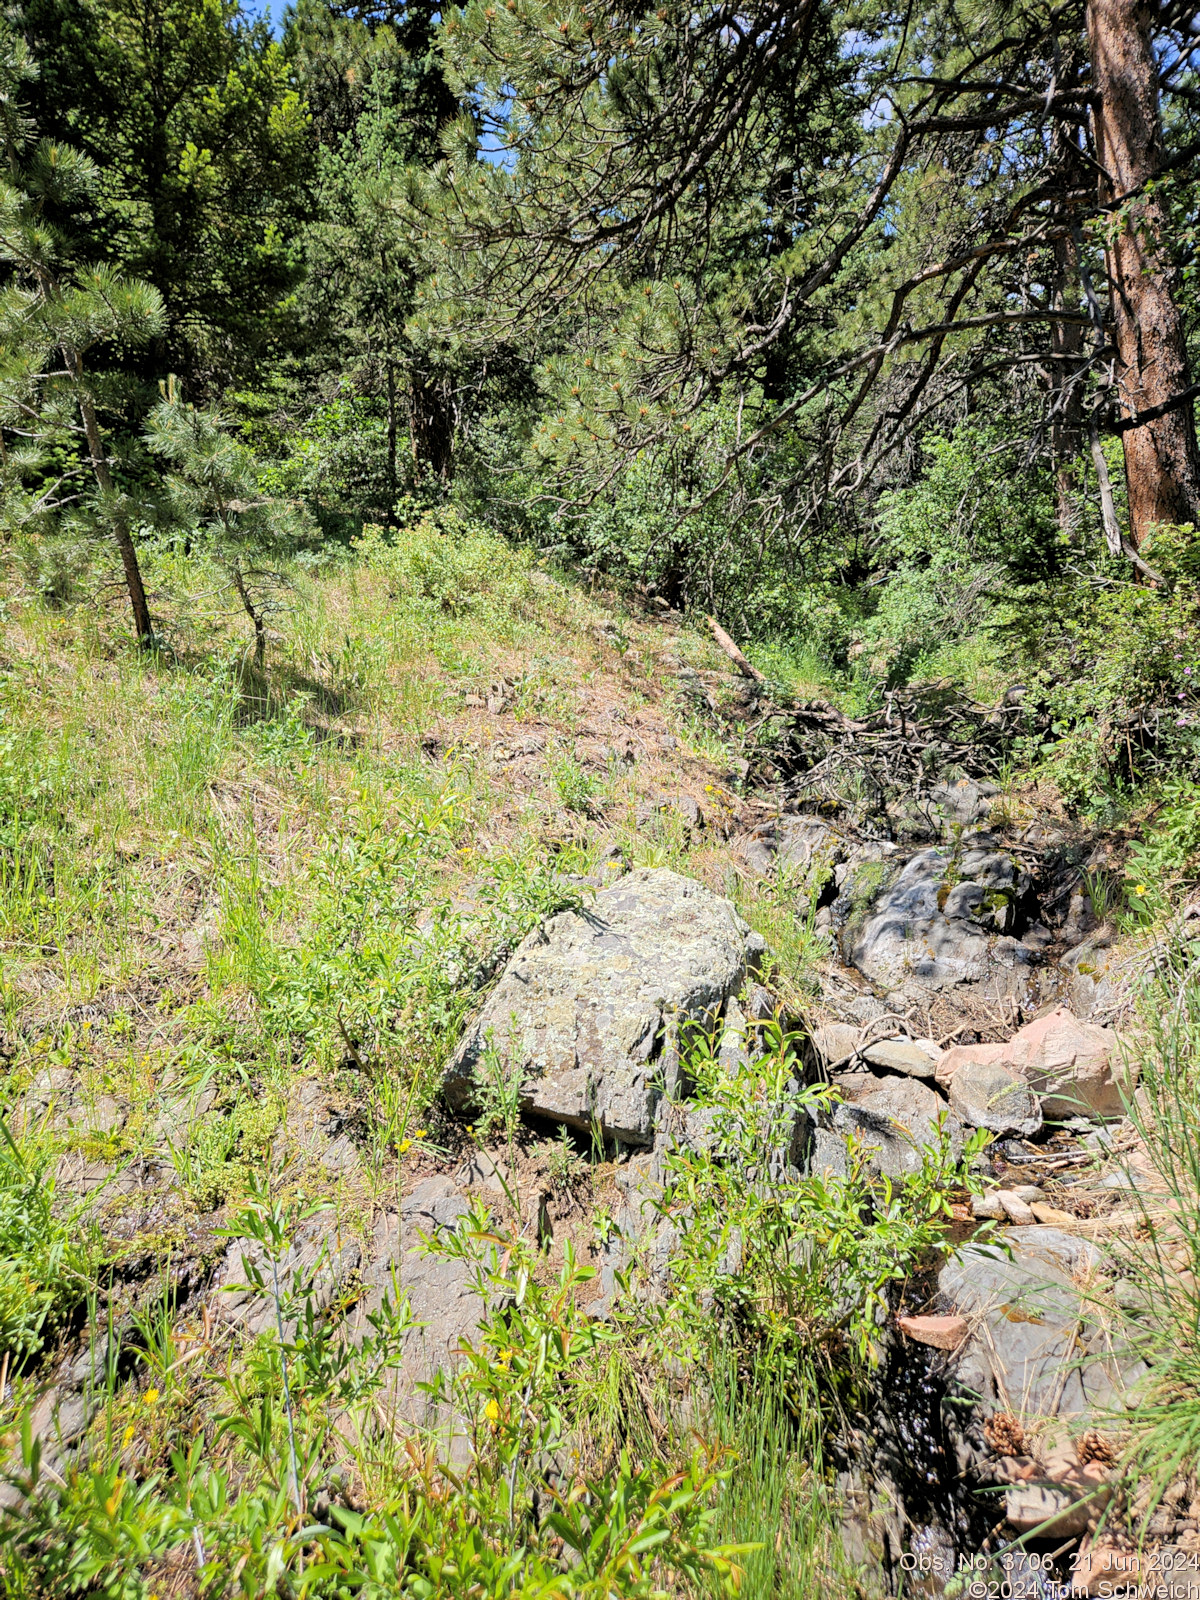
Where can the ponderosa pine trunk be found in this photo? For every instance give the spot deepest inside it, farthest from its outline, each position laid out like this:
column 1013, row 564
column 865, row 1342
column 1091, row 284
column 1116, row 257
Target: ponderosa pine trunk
column 1162, row 464
column 432, row 425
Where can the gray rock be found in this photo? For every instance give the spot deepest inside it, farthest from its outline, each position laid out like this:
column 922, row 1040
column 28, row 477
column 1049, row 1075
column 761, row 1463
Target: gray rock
column 1093, row 982
column 896, row 1123
column 758, row 854
column 587, row 1012
column 836, row 1042
column 986, row 1095
column 988, row 1207
column 1079, row 1258
column 736, row 1049
column 966, row 902
column 316, row 1263
column 1046, row 1507
column 965, row 802
column 906, row 940
column 901, row 1055
column 1033, row 1350
column 439, row 1298
column 688, row 812
column 443, row 1301
column 483, row 1171
column 1081, row 918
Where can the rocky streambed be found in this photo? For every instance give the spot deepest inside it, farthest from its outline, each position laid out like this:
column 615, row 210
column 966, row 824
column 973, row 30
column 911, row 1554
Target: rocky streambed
column 969, row 986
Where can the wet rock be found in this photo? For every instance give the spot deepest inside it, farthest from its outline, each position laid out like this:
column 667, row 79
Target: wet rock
column 587, row 1013
column 906, row 941
column 895, row 1124
column 989, row 1096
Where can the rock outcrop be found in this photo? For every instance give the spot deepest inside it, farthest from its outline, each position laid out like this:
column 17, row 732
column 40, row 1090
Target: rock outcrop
column 940, row 923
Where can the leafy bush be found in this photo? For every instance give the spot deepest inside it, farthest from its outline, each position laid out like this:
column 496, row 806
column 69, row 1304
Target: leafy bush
column 968, row 528
column 799, row 1267
column 444, row 566
column 1167, row 858
column 241, row 1502
column 1113, row 674
column 388, row 968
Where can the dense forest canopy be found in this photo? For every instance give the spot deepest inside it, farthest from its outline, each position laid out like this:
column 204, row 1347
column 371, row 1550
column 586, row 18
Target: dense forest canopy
column 870, row 328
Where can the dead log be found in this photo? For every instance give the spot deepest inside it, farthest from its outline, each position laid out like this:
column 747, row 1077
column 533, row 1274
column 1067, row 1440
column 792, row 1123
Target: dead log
column 734, row 654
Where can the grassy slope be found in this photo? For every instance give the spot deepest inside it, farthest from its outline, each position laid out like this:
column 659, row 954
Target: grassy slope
column 240, row 911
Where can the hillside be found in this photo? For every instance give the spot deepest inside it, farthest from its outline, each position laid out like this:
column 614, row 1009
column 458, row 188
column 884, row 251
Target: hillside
column 249, row 914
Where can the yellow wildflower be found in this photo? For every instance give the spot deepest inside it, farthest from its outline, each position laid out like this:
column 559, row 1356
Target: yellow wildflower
column 492, row 1412
column 151, row 1397
column 422, row 1133
column 1139, row 888
column 127, row 1436
column 404, row 1146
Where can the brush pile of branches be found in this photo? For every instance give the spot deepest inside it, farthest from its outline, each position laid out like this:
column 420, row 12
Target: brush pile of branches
column 922, row 735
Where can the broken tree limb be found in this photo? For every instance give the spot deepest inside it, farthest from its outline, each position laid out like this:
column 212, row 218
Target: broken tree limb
column 1108, row 510
column 734, row 654
column 1117, row 544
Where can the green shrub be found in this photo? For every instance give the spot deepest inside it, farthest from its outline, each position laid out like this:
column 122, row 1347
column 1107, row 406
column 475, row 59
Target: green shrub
column 1166, row 859
column 1114, row 675
column 967, row 529
column 799, row 1267
column 447, row 567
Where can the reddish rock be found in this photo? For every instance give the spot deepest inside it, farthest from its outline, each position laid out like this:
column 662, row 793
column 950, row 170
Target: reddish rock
column 992, row 1055
column 1074, row 1066
column 943, row 1333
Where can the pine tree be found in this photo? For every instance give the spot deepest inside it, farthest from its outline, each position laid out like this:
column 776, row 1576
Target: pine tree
column 190, row 112
column 824, row 223
column 215, row 493
column 59, row 472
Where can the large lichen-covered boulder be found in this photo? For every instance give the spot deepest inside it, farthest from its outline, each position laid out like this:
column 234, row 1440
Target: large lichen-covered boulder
column 588, row 1011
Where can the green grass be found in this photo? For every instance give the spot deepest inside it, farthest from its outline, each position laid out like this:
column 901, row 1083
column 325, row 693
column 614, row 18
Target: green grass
column 1162, row 1326
column 220, row 887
